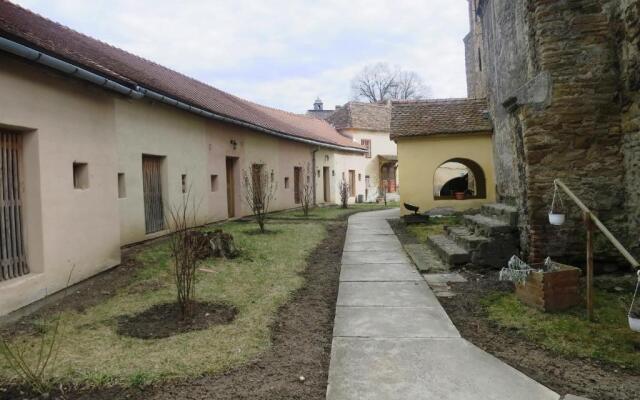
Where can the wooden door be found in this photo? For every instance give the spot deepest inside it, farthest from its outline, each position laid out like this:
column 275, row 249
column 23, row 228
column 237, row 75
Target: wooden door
column 297, row 190
column 152, row 188
column 231, row 192
column 352, row 183
column 13, row 260
column 326, row 182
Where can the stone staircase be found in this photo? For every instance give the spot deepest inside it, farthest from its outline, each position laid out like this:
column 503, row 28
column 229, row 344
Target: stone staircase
column 486, row 239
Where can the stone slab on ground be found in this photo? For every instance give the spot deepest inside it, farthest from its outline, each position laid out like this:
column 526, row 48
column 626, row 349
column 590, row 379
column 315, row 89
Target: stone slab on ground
column 425, row 259
column 443, row 278
column 400, row 369
column 375, row 257
column 393, row 322
column 573, row 397
column 379, row 272
column 389, row 245
column 386, row 294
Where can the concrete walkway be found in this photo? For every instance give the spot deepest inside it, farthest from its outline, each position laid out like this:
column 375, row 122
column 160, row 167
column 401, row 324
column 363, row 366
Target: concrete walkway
column 393, row 340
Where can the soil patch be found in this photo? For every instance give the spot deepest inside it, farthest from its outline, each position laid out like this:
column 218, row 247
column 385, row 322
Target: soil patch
column 301, row 346
column 562, row 374
column 164, row 320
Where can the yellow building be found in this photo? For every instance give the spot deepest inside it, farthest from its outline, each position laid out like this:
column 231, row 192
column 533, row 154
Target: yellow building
column 445, row 149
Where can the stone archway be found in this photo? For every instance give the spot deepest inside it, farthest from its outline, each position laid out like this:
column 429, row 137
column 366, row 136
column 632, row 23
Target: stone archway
column 459, row 175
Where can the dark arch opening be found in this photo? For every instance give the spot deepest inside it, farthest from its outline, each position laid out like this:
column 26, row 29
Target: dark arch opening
column 459, row 175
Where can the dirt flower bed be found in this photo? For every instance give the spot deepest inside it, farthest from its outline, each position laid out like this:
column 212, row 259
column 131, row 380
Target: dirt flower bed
column 283, row 287
column 164, row 320
column 487, row 313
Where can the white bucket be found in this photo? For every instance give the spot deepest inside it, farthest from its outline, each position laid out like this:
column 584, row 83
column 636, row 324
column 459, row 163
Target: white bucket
column 556, row 219
column 634, row 324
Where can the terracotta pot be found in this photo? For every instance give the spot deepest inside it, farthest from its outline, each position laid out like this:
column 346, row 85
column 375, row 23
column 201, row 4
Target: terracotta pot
column 459, row 195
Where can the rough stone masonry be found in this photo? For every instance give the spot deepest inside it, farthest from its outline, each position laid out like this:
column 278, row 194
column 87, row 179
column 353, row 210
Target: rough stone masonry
column 562, row 80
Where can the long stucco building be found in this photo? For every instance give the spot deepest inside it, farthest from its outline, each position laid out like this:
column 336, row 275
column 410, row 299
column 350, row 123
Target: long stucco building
column 96, row 142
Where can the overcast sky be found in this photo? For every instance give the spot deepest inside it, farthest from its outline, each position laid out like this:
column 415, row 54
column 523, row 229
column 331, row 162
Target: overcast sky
column 281, row 53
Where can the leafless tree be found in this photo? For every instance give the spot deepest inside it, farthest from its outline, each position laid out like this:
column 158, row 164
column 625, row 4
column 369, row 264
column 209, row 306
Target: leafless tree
column 184, row 251
column 259, row 191
column 344, row 189
column 379, row 82
column 307, row 192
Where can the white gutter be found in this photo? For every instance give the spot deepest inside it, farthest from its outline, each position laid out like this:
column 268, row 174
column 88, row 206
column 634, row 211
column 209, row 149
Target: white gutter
column 138, row 92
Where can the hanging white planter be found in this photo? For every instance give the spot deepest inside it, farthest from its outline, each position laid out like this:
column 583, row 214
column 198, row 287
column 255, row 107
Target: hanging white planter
column 634, row 324
column 556, row 214
column 634, row 319
column 556, row 218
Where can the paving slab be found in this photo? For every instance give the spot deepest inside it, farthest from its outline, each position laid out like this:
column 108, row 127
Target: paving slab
column 369, row 238
column 393, row 322
column 386, row 294
column 425, row 259
column 401, row 369
column 375, row 257
column 379, row 272
column 373, row 246
column 370, row 231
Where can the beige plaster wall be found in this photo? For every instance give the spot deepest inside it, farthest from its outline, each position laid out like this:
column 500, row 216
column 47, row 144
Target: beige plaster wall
column 62, row 121
column 381, row 144
column 421, row 156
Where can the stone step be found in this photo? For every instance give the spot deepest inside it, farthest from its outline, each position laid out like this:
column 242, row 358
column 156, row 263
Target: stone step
column 448, row 250
column 487, row 226
column 465, row 238
column 502, row 212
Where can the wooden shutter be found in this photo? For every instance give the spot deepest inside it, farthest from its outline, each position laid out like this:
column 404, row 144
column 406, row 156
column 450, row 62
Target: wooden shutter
column 13, row 260
column 152, row 188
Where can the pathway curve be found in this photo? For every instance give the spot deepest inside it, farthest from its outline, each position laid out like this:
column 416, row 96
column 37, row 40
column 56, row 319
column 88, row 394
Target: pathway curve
column 393, row 340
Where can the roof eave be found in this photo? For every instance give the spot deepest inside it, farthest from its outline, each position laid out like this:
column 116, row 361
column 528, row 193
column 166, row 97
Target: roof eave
column 37, row 56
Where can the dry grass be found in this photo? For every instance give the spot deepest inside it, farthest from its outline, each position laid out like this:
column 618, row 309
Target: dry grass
column 607, row 339
column 330, row 213
column 434, row 226
column 257, row 283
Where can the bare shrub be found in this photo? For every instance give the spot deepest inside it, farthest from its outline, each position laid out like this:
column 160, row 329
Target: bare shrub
column 307, row 193
column 37, row 369
column 259, row 191
column 184, row 248
column 344, row 189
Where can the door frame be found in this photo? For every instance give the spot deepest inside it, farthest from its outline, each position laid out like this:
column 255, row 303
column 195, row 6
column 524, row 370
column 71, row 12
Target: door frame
column 231, row 181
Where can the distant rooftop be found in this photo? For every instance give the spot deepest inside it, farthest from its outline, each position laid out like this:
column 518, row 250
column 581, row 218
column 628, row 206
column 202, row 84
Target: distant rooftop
column 368, row 116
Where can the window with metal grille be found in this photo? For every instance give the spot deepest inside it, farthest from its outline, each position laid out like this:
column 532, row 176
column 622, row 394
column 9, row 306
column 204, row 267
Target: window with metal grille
column 366, row 143
column 13, row 260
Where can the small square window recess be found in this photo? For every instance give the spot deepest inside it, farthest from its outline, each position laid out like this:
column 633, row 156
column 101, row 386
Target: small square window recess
column 122, row 186
column 80, row 175
column 214, row 183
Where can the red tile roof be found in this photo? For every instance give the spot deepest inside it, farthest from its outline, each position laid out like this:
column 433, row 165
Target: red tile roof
column 33, row 30
column 443, row 116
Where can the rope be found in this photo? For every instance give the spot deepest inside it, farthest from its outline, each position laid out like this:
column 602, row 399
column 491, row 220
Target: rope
column 553, row 201
column 635, row 294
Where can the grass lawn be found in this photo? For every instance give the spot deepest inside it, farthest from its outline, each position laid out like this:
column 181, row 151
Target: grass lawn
column 330, row 212
column 257, row 284
column 607, row 339
column 434, row 226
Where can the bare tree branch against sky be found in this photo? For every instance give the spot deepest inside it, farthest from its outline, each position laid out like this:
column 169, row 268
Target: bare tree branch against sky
column 379, row 82
column 281, row 53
